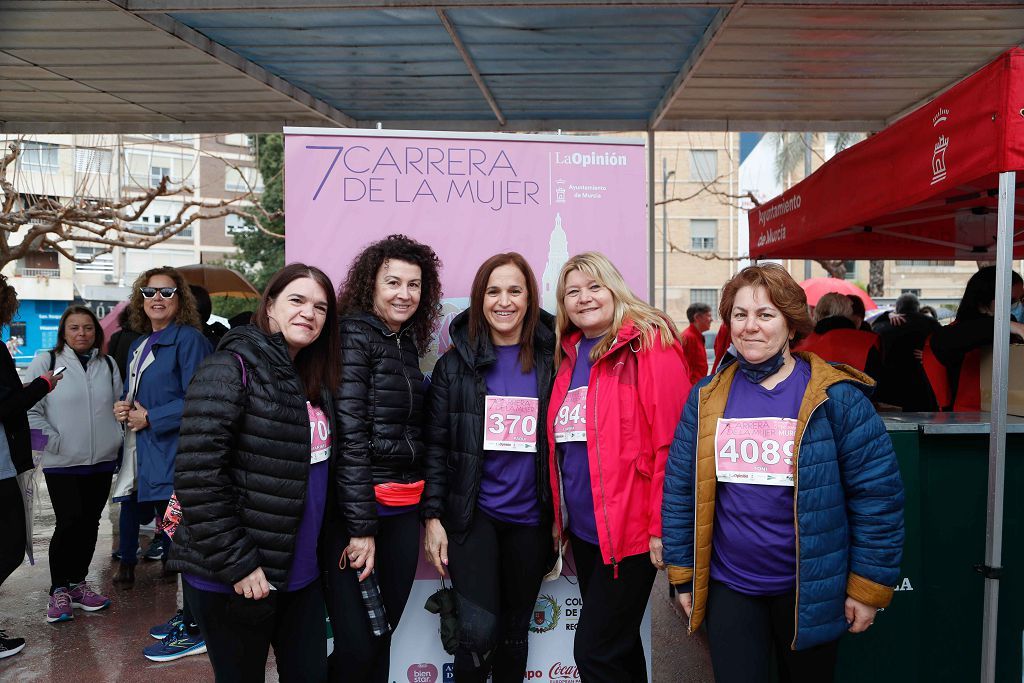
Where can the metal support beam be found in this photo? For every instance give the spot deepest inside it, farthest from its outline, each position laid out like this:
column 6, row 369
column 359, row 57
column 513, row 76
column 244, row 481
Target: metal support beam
column 709, row 38
column 997, row 436
column 199, row 42
column 471, row 65
column 292, row 5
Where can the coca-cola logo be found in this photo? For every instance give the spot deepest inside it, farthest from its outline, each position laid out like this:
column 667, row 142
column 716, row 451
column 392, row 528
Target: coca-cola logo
column 563, row 672
column 422, row 673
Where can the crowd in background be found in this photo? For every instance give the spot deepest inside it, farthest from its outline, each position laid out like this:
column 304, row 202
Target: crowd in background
column 291, row 463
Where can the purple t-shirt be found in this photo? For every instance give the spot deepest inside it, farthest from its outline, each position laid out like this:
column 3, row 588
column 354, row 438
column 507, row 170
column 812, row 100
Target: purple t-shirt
column 305, row 568
column 575, row 463
column 508, row 484
column 754, row 540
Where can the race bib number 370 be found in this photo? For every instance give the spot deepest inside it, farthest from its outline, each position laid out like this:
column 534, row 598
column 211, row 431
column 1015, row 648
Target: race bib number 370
column 755, row 450
column 511, row 424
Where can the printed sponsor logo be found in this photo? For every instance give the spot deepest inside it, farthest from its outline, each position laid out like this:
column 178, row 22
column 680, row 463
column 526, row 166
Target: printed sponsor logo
column 545, row 614
column 585, row 159
column 770, row 213
column 448, row 672
column 771, row 236
column 940, row 115
column 563, row 673
column 424, row 672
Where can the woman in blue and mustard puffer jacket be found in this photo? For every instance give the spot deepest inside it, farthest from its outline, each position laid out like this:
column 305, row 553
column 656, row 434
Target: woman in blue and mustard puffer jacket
column 782, row 514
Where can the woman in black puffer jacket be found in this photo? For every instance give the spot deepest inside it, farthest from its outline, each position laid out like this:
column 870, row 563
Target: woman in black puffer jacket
column 389, row 303
column 253, row 475
column 487, row 497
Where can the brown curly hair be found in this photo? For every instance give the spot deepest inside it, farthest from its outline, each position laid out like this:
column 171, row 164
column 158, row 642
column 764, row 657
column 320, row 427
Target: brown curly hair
column 187, row 314
column 356, row 293
column 8, row 301
column 784, row 292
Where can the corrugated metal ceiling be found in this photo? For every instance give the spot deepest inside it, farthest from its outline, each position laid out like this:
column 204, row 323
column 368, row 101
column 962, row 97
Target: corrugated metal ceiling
column 204, row 65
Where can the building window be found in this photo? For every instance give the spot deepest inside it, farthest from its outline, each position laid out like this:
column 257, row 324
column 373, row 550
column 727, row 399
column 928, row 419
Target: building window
column 39, row 264
column 40, row 156
column 703, row 232
column 915, row 292
column 101, row 262
column 705, row 296
column 234, row 225
column 242, row 179
column 157, row 174
column 93, row 160
column 704, row 165
column 921, row 262
column 851, row 270
column 238, row 140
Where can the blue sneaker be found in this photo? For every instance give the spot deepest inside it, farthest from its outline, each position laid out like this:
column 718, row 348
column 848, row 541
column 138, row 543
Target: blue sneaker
column 160, row 632
column 156, row 550
column 178, row 643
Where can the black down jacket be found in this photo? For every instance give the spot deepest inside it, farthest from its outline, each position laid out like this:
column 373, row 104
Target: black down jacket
column 455, row 425
column 243, row 461
column 380, row 412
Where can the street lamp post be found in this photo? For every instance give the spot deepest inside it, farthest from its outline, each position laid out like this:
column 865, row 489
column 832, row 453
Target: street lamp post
column 665, row 175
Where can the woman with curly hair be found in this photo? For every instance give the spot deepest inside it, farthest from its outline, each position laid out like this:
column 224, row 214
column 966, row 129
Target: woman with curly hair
column 161, row 364
column 389, row 304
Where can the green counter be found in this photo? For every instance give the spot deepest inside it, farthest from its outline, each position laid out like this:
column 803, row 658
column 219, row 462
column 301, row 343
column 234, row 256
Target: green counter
column 932, row 630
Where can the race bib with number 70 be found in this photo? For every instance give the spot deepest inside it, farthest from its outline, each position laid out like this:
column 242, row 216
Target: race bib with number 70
column 510, row 424
column 755, row 450
column 571, row 420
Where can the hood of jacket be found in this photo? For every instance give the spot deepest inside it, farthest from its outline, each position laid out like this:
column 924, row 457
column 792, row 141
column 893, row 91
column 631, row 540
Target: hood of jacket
column 481, row 354
column 260, row 350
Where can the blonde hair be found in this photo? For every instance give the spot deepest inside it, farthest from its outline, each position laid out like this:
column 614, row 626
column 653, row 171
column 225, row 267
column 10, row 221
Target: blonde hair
column 626, row 306
column 831, row 305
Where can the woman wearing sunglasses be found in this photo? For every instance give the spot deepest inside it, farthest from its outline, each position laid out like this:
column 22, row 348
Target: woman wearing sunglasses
column 161, row 364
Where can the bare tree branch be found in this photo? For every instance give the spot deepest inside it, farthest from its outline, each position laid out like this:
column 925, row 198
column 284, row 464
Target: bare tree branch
column 45, row 224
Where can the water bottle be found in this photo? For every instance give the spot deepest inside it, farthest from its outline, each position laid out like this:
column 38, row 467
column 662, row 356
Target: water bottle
column 374, row 605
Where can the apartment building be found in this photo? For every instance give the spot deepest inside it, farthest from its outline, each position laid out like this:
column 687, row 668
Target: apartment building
column 70, row 167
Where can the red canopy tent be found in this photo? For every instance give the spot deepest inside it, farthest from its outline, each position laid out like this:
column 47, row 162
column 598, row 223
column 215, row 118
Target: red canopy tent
column 925, row 187
column 940, row 183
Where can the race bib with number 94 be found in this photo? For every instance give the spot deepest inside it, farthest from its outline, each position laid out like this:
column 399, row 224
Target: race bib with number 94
column 510, row 424
column 755, row 450
column 571, row 420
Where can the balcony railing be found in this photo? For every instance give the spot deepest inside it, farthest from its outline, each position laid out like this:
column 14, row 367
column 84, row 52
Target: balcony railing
column 38, row 272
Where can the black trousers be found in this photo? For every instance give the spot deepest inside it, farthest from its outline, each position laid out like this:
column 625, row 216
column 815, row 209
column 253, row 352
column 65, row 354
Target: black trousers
column 239, row 632
column 608, row 648
column 12, row 527
column 78, row 502
column 744, row 631
column 359, row 656
column 496, row 571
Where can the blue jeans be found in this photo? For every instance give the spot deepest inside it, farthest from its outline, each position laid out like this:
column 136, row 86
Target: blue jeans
column 133, row 513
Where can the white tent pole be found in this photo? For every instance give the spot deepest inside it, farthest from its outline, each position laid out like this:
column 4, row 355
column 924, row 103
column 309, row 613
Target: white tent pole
column 997, row 437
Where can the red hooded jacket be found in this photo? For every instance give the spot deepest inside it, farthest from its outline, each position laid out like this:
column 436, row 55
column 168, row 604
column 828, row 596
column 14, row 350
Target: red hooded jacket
column 634, row 403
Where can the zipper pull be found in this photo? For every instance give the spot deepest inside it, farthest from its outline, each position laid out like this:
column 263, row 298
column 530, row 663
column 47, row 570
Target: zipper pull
column 615, row 569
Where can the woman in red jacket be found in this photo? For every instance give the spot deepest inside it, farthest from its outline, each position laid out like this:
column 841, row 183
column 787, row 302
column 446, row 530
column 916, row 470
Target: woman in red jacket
column 618, row 393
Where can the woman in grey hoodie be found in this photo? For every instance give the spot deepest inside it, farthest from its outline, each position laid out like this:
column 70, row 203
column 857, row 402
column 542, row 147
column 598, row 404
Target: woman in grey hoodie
column 82, row 442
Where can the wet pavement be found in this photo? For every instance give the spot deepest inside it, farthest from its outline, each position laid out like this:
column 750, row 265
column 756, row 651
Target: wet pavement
column 107, row 645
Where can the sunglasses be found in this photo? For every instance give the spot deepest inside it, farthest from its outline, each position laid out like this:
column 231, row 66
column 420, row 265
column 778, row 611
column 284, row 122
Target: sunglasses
column 150, row 292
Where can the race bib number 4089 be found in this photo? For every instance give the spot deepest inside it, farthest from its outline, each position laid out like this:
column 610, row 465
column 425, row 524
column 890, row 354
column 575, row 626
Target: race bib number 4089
column 755, row 450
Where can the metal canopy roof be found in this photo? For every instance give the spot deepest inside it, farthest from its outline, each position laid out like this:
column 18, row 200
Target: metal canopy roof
column 254, row 65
